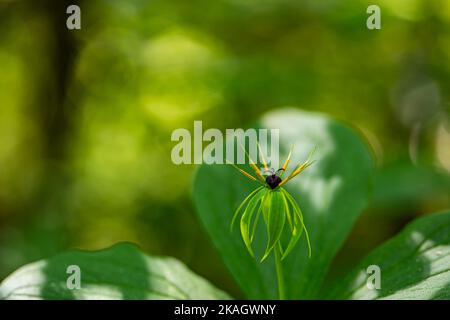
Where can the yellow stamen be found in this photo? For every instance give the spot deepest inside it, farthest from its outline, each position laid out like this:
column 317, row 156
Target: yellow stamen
column 299, row 168
column 262, row 158
column 247, row 175
column 253, row 164
column 287, row 160
column 242, row 171
column 257, row 171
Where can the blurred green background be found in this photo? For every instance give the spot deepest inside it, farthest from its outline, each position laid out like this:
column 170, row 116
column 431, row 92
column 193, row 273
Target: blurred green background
column 86, row 115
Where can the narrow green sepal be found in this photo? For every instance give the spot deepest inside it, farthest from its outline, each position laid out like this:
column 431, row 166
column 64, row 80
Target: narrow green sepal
column 252, row 207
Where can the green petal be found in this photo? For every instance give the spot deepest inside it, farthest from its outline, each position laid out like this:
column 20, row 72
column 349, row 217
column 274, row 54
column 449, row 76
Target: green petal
column 290, row 220
column 236, row 213
column 255, row 222
column 298, row 226
column 298, row 213
column 247, row 217
column 274, row 213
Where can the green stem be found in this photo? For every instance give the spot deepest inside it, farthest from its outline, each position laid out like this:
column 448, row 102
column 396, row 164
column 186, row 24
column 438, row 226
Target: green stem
column 279, row 270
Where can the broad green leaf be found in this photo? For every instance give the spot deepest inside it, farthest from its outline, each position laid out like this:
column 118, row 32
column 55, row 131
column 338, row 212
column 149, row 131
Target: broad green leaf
column 415, row 264
column 119, row 272
column 332, row 193
column 406, row 186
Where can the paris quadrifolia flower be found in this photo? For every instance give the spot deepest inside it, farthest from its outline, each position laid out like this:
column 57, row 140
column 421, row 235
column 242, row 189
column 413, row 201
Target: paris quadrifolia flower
column 280, row 212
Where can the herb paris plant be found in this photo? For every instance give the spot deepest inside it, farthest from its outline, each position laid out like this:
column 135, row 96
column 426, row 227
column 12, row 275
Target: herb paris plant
column 415, row 264
column 277, row 207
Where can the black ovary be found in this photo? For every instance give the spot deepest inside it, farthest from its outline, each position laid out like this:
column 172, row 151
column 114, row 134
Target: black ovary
column 273, row 181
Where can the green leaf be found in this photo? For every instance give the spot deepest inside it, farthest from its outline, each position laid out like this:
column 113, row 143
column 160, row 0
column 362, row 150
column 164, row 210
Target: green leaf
column 332, row 193
column 407, row 186
column 119, row 272
column 415, row 264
